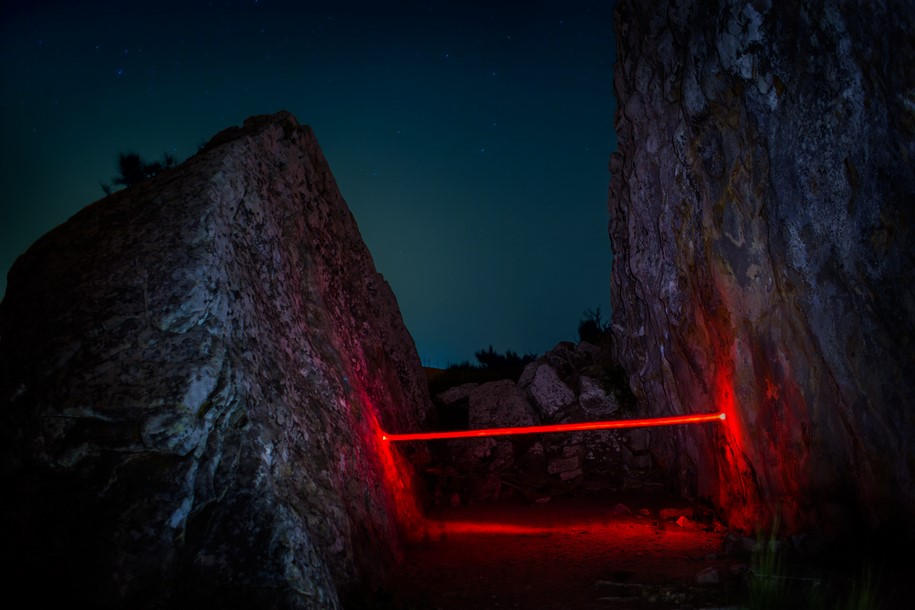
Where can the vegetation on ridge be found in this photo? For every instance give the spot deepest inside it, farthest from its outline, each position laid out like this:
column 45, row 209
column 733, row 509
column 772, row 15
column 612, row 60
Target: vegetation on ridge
column 592, row 328
column 132, row 169
column 492, row 366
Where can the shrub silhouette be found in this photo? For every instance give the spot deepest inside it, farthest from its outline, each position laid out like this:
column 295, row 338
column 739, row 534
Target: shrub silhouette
column 132, row 169
column 492, row 367
column 491, row 359
column 592, row 329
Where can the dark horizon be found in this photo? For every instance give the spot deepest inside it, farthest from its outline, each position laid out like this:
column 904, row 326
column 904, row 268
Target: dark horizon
column 470, row 142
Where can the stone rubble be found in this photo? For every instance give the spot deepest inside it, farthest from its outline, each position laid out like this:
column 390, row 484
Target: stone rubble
column 568, row 383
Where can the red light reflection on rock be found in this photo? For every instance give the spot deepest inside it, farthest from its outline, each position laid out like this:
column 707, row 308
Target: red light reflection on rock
column 738, row 494
column 398, row 477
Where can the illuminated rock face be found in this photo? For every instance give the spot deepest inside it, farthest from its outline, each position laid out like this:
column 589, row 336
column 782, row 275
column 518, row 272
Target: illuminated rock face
column 761, row 221
column 194, row 372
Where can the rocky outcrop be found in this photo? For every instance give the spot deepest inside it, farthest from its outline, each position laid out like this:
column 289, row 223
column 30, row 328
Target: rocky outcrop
column 194, row 375
column 761, row 221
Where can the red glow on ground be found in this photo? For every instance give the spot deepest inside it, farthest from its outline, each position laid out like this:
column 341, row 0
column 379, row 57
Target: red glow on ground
column 563, row 518
column 548, row 556
column 491, row 528
column 600, row 528
column 576, row 427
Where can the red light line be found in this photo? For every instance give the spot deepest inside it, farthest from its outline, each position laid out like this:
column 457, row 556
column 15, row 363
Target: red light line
column 591, row 425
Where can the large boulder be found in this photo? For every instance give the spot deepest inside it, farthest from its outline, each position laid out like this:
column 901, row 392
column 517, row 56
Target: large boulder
column 456, row 394
column 495, row 404
column 762, row 229
column 194, row 374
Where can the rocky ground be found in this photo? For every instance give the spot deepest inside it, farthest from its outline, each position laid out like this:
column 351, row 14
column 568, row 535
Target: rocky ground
column 566, row 554
column 570, row 383
column 648, row 552
column 597, row 520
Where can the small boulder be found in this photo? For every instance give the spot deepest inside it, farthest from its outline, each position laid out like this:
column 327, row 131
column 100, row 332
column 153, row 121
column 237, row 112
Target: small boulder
column 527, row 375
column 548, row 392
column 457, row 393
column 738, row 569
column 638, row 439
column 621, row 510
column 639, row 462
column 571, row 474
column 499, row 404
column 594, row 400
column 671, row 514
column 565, row 464
column 536, row 450
column 570, row 450
column 478, row 450
column 565, row 359
column 588, row 350
column 503, row 455
column 708, row 576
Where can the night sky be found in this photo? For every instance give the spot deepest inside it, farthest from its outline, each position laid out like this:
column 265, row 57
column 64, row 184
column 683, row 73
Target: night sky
column 470, row 141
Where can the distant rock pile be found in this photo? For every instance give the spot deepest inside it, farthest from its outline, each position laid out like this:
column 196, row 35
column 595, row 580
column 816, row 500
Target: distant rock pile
column 570, row 383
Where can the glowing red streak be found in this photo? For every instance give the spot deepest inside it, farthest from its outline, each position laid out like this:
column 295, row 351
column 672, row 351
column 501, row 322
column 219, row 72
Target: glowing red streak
column 591, row 425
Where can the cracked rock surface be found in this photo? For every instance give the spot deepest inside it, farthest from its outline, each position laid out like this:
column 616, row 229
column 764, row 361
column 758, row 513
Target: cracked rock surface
column 762, row 227
column 193, row 374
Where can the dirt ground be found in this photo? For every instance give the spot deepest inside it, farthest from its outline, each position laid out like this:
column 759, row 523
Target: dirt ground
column 565, row 554
column 631, row 553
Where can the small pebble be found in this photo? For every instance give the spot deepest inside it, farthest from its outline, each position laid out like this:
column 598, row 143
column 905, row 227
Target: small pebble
column 708, row 576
